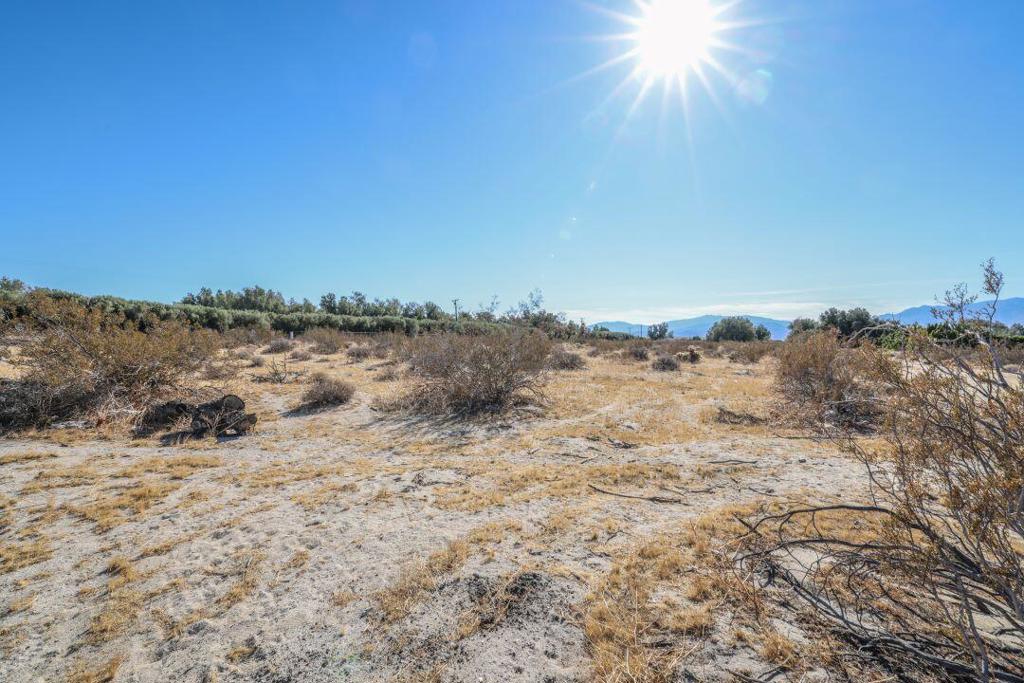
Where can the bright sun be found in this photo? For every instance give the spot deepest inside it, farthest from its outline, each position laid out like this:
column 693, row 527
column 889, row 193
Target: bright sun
column 674, row 37
column 676, row 45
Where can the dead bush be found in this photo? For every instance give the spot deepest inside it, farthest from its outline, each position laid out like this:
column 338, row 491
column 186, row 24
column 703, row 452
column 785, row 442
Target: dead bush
column 359, row 353
column 561, row 359
column 462, row 374
column 747, row 352
column 927, row 580
column 278, row 373
column 665, row 363
column 822, row 383
column 300, row 355
column 388, row 374
column 326, row 341
column 279, row 345
column 385, row 344
column 246, row 336
column 79, row 363
column 326, row 392
column 638, row 352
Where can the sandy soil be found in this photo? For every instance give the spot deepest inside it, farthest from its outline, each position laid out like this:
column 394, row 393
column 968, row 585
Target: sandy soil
column 353, row 545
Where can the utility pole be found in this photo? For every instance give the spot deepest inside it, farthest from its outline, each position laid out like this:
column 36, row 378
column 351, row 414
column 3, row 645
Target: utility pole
column 455, row 302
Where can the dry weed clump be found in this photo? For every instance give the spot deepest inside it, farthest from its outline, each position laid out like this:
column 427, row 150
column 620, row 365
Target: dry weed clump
column 326, row 392
column 359, row 353
column 566, row 360
column 665, row 363
column 821, row 382
column 638, row 352
column 84, row 364
column 465, row 375
column 750, row 352
column 246, row 336
column 279, row 345
column 326, row 341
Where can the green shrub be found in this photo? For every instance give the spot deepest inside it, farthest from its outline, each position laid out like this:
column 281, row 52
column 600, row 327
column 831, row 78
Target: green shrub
column 732, row 329
column 803, row 325
column 849, row 322
column 659, row 331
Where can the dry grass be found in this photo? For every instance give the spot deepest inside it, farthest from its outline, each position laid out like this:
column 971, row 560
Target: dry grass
column 117, row 505
column 397, row 600
column 15, row 556
column 21, row 604
column 27, row 456
column 95, row 673
column 657, row 587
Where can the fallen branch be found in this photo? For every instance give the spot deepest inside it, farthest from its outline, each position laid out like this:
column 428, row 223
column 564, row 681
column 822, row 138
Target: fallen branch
column 652, row 499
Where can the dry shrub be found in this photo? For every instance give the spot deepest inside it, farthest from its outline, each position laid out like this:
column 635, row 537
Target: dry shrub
column 461, row 374
column 278, row 373
column 566, row 360
column 301, row 355
column 359, row 353
column 928, row 580
column 326, row 341
column 638, row 352
column 219, row 370
column 279, row 345
column 665, row 364
column 385, row 344
column 748, row 352
column 326, row 392
column 78, row 363
column 388, row 374
column 822, row 383
column 246, row 336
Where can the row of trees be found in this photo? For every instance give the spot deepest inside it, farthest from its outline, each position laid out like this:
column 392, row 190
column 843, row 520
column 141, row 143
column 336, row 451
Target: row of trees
column 948, row 325
column 258, row 307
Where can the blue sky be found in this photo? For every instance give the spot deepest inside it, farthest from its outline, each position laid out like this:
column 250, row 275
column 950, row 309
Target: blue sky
column 431, row 150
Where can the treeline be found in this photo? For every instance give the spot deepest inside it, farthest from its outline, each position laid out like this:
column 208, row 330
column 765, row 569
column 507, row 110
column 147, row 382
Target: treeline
column 892, row 333
column 222, row 311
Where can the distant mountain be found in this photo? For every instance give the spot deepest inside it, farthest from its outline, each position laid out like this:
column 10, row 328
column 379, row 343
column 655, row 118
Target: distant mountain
column 699, row 326
column 1009, row 311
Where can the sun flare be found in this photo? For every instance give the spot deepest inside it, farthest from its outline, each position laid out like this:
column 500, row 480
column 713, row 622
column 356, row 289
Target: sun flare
column 674, row 37
column 677, row 46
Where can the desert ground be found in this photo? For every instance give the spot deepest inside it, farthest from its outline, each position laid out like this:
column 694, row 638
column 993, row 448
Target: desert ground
column 579, row 541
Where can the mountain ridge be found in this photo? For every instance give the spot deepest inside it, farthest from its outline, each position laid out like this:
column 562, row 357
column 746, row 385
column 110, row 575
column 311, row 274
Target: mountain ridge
column 1009, row 311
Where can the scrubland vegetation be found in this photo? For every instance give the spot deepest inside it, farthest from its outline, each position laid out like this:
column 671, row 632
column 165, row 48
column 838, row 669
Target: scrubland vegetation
column 516, row 499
